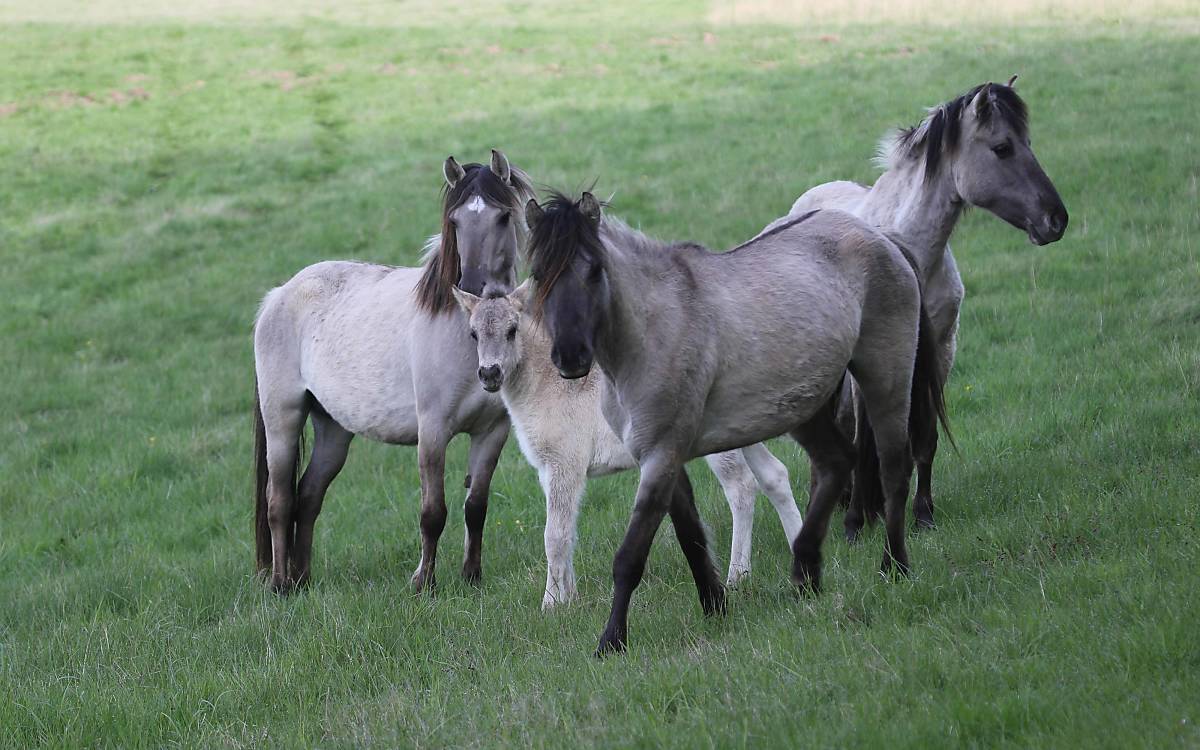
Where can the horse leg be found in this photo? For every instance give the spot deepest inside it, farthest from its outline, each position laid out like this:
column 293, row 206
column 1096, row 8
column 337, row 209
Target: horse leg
column 832, row 457
column 331, row 443
column 653, row 500
column 689, row 530
column 774, row 482
column 886, row 400
column 737, row 481
column 481, row 462
column 564, row 487
column 923, row 502
column 856, row 516
column 283, row 423
column 431, row 462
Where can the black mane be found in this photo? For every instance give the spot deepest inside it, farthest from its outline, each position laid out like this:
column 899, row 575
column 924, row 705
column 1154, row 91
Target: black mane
column 442, row 269
column 562, row 234
column 941, row 130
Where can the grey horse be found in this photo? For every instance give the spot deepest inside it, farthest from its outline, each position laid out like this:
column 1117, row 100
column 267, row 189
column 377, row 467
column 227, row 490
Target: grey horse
column 705, row 352
column 383, row 352
column 973, row 150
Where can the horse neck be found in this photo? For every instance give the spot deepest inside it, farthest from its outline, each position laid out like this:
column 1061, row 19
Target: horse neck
column 920, row 212
column 623, row 332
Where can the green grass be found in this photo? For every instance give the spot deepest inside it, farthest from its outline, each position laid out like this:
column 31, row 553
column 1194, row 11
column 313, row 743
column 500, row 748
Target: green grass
column 161, row 172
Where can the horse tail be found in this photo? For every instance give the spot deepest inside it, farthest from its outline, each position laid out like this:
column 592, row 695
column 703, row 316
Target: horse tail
column 927, row 409
column 262, row 530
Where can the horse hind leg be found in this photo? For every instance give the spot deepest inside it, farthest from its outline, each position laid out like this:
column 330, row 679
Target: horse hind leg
column 832, row 457
column 283, row 421
column 331, row 443
column 482, row 458
column 923, row 501
column 737, row 480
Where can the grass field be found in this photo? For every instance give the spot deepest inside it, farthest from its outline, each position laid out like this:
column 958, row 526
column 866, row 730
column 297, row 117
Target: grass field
column 163, row 168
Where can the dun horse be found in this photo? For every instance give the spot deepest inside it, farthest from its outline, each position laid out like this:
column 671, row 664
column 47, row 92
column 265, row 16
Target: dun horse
column 973, row 150
column 383, row 352
column 704, row 352
column 562, row 433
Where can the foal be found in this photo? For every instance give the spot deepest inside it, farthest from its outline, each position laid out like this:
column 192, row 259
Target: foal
column 704, row 352
column 563, row 435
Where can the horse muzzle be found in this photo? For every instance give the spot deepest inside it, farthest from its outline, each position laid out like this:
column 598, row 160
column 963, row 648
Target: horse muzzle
column 1050, row 229
column 491, row 378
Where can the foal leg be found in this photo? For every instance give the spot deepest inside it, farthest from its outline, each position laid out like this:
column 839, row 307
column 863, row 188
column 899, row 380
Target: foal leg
column 484, row 453
column 431, row 461
column 774, row 482
column 738, row 483
column 653, row 500
column 694, row 541
column 563, row 484
column 832, row 457
column 331, row 443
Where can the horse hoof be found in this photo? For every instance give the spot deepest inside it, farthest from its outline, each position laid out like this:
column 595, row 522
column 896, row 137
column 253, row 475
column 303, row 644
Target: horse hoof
column 610, row 643
column 892, row 569
column 713, row 602
column 472, row 574
column 925, row 524
column 806, row 569
column 282, row 586
column 852, row 535
column 736, row 577
column 422, row 581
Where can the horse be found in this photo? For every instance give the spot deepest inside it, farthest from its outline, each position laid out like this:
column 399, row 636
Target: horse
column 381, row 351
column 707, row 352
column 973, row 150
column 563, row 435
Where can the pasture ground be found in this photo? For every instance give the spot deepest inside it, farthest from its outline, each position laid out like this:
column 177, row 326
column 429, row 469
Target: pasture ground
column 164, row 166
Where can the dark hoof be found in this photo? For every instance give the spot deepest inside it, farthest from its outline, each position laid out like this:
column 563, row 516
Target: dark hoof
column 893, row 569
column 925, row 523
column 806, row 570
column 472, row 574
column 713, row 602
column 852, row 535
column 282, row 586
column 610, row 643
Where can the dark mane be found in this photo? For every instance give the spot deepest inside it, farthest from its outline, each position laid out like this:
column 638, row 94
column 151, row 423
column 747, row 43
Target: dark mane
column 441, row 270
column 562, row 234
column 941, row 130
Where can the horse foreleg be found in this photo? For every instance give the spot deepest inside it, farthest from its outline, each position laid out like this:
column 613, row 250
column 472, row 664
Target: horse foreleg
column 564, row 486
column 694, row 542
column 481, row 462
column 431, row 461
column 653, row 500
column 331, row 443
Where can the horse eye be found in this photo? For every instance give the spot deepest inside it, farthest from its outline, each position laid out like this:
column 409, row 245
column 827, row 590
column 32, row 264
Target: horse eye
column 512, row 333
column 474, row 336
column 504, row 217
column 1003, row 150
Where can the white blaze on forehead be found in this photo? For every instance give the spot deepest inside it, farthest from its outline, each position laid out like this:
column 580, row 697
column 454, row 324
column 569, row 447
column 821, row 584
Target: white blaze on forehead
column 477, row 205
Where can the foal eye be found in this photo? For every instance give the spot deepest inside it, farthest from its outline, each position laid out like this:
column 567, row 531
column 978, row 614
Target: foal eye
column 512, row 333
column 474, row 336
column 1003, row 150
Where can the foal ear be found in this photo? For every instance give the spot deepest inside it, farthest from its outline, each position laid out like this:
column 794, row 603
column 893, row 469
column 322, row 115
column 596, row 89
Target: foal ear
column 590, row 207
column 500, row 166
column 519, row 296
column 452, row 171
column 533, row 213
column 466, row 300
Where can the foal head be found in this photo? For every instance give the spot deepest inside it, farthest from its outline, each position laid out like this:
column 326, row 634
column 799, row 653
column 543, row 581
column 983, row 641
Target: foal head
column 982, row 140
column 477, row 249
column 571, row 291
column 495, row 327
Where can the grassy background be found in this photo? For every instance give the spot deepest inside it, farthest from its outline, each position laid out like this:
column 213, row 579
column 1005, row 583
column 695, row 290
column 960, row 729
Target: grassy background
column 163, row 167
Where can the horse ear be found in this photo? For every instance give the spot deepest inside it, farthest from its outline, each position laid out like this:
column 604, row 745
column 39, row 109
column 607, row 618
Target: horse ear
column 983, row 102
column 533, row 213
column 465, row 299
column 590, row 207
column 1012, row 80
column 500, row 166
column 452, row 171
column 519, row 296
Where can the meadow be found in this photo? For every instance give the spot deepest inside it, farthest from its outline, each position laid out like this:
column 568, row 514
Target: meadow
column 165, row 165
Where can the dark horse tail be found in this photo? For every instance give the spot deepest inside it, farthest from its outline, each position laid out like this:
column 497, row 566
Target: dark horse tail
column 262, row 531
column 927, row 409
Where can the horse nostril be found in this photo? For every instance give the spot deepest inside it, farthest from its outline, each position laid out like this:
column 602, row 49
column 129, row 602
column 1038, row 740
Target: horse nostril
column 491, row 372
